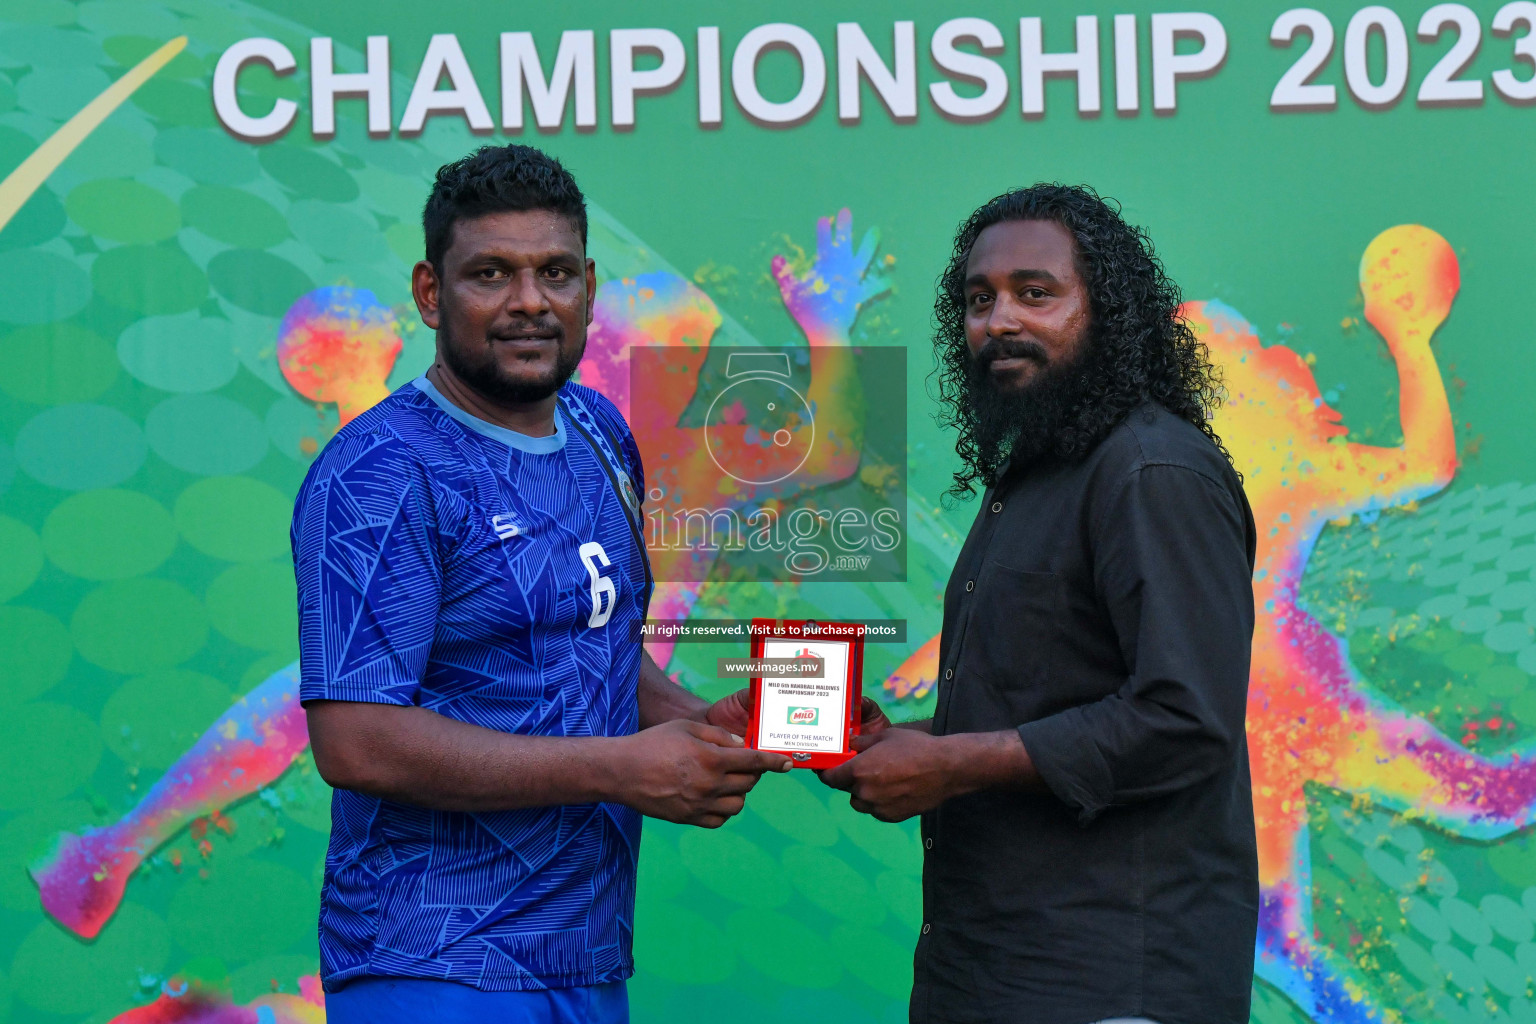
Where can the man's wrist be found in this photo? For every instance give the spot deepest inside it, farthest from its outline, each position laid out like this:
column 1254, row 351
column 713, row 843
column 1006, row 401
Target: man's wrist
column 958, row 755
column 662, row 699
column 690, row 705
column 609, row 769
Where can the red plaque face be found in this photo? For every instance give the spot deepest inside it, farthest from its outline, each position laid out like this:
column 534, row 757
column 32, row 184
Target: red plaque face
column 808, row 709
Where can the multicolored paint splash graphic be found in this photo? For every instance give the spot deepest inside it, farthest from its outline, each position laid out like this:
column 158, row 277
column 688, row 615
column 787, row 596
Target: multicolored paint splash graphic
column 337, row 346
column 81, row 880
column 671, row 323
column 181, row 1004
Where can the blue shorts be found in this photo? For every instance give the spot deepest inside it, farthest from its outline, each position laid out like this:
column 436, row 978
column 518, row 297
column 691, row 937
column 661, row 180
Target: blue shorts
column 392, row 1000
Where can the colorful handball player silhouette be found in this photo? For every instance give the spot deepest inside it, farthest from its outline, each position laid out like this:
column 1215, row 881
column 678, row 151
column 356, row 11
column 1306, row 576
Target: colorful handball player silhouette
column 715, row 466
column 1311, row 718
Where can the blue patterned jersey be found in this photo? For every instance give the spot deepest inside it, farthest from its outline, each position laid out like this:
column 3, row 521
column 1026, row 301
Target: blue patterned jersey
column 494, row 578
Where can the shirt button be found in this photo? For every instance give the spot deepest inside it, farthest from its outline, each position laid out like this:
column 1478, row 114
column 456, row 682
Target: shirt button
column 949, row 673
column 927, row 844
column 927, row 928
column 997, row 506
column 970, row 585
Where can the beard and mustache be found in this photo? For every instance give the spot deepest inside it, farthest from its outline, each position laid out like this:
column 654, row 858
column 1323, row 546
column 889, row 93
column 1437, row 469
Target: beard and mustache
column 1021, row 424
column 487, row 376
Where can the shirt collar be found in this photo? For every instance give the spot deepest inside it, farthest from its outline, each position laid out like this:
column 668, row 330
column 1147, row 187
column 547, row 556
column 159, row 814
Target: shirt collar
column 496, row 432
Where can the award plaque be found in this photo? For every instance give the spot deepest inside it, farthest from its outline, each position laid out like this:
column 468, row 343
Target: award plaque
column 811, row 717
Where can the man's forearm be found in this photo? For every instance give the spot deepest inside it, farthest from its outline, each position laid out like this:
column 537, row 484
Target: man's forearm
column 662, row 700
column 989, row 760
column 415, row 756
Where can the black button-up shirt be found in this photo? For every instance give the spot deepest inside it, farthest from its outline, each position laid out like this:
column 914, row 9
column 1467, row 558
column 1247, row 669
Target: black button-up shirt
column 1104, row 608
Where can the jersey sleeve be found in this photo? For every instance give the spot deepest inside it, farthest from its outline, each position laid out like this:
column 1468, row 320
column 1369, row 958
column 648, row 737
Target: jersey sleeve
column 365, row 547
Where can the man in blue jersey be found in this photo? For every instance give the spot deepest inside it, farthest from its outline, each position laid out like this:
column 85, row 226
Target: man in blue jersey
column 471, row 575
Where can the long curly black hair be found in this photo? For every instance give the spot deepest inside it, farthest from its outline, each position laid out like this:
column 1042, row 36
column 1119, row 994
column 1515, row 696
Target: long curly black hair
column 1145, row 349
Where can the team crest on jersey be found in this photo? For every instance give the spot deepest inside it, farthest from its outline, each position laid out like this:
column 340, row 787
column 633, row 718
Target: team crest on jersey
column 627, row 491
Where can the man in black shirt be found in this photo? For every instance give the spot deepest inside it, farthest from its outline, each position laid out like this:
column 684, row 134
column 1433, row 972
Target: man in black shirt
column 1087, row 819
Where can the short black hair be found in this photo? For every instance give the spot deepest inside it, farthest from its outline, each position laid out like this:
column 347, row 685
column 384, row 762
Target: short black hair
column 493, row 179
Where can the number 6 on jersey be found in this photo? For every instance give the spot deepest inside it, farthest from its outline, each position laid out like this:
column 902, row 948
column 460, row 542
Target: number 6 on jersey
column 604, row 596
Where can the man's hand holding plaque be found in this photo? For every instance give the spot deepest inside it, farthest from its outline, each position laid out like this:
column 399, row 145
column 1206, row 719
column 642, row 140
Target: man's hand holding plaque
column 807, row 701
column 734, row 713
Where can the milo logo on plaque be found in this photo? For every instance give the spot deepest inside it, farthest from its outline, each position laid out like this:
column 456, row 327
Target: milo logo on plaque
column 802, row 716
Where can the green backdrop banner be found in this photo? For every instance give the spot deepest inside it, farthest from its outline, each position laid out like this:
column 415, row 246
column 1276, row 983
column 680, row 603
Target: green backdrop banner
column 208, row 214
